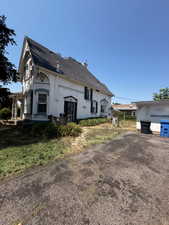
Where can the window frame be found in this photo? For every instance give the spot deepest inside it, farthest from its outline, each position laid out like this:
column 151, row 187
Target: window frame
column 103, row 106
column 42, row 103
column 86, row 93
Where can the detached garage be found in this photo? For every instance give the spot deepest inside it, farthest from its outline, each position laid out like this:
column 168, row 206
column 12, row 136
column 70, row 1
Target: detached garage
column 155, row 113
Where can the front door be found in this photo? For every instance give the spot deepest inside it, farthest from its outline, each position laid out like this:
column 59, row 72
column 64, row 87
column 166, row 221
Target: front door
column 70, row 110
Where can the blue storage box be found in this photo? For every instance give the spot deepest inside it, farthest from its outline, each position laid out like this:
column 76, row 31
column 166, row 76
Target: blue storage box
column 164, row 128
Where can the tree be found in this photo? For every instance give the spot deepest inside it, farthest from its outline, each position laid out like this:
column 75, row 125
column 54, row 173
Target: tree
column 163, row 94
column 5, row 114
column 5, row 101
column 7, row 69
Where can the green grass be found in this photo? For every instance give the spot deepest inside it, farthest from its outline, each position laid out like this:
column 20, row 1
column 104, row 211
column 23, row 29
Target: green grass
column 107, row 132
column 101, row 135
column 19, row 151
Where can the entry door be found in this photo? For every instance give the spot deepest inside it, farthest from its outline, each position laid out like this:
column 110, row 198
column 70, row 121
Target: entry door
column 70, row 110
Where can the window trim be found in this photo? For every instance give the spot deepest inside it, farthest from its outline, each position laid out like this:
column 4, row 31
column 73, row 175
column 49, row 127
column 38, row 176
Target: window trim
column 38, row 103
column 86, row 93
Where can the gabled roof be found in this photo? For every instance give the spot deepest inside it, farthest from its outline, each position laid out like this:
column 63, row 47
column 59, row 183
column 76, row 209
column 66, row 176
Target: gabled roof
column 69, row 67
column 124, row 106
column 161, row 102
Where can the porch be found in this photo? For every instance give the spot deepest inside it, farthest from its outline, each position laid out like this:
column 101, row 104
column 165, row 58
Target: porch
column 17, row 108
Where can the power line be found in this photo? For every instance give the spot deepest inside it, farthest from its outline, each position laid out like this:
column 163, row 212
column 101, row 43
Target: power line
column 124, row 98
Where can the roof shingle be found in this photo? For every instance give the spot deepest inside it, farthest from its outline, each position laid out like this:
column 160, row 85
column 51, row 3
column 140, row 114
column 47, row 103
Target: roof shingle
column 69, row 67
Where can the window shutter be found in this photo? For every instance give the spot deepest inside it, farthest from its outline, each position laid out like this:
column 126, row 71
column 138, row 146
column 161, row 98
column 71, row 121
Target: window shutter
column 91, row 109
column 91, row 94
column 85, row 92
column 96, row 107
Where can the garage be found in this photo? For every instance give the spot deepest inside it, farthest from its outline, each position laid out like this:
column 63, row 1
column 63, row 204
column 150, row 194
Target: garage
column 154, row 113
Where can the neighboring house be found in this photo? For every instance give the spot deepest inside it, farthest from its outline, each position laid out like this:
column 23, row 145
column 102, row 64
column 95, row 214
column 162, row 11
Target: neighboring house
column 128, row 109
column 59, row 87
column 152, row 111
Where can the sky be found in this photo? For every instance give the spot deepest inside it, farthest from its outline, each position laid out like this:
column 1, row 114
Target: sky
column 125, row 42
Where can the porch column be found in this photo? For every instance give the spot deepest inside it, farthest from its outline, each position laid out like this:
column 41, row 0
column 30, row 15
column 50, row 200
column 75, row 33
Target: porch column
column 15, row 111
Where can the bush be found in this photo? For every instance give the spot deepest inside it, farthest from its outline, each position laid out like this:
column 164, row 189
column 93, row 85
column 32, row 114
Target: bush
column 129, row 117
column 5, row 113
column 45, row 129
column 71, row 129
column 93, row 122
column 49, row 130
column 120, row 115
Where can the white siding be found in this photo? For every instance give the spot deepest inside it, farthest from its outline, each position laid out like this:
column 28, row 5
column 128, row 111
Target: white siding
column 153, row 113
column 60, row 88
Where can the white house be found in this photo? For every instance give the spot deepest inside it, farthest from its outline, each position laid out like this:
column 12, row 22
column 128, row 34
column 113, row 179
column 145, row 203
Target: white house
column 56, row 86
column 127, row 109
column 152, row 111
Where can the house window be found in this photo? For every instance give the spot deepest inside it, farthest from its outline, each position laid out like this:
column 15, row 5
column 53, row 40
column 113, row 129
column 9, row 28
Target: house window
column 103, row 105
column 42, row 78
column 86, row 93
column 26, row 67
column 42, row 103
column 94, row 107
column 103, row 108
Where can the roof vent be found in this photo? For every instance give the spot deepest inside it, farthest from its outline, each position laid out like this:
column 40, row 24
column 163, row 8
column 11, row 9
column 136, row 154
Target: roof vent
column 85, row 64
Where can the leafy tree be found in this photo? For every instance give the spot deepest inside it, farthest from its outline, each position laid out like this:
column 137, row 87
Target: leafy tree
column 5, row 101
column 163, row 94
column 7, row 69
column 5, row 114
column 116, row 103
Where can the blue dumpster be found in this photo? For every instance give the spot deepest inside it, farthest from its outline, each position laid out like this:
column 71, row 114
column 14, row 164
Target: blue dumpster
column 164, row 128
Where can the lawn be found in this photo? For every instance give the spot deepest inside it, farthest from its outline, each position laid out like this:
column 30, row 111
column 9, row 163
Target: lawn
column 19, row 150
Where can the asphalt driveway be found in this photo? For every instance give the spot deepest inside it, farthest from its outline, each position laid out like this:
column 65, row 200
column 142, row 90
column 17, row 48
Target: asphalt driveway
column 123, row 182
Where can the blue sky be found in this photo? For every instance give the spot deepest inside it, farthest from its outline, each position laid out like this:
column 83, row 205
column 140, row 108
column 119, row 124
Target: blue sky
column 126, row 42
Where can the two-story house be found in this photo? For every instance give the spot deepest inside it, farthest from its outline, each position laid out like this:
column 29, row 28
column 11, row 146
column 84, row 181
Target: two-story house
column 58, row 86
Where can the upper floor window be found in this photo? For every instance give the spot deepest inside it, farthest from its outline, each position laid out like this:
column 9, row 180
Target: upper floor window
column 42, row 78
column 88, row 93
column 26, row 67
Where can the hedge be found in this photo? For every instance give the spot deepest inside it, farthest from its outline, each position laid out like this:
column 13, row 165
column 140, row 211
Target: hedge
column 93, row 122
column 49, row 130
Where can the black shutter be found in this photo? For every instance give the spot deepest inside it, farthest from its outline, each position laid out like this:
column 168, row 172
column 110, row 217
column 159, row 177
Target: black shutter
column 85, row 93
column 91, row 109
column 91, row 94
column 96, row 107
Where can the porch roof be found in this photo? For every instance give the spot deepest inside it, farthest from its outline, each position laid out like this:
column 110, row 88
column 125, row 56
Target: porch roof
column 17, row 95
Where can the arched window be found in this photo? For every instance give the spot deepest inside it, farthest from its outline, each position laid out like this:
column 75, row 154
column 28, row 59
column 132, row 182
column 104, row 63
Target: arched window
column 103, row 105
column 42, row 78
